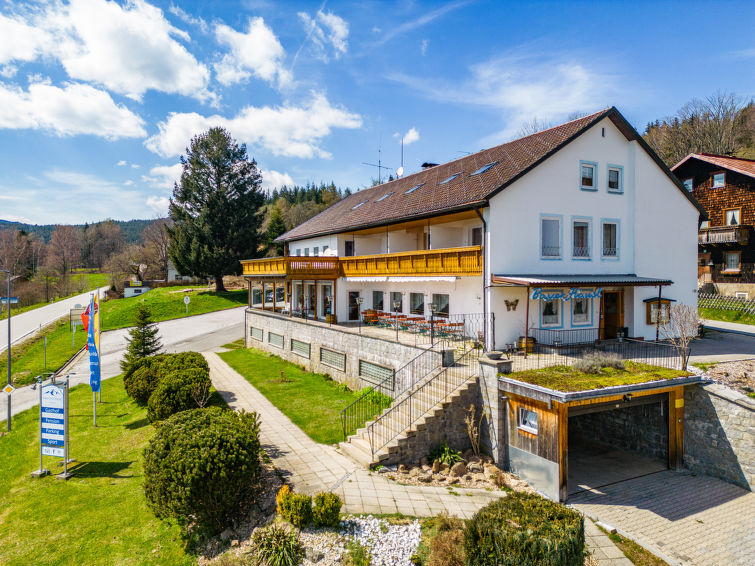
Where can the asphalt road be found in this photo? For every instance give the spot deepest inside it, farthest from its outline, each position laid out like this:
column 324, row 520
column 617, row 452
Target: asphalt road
column 201, row 333
column 26, row 323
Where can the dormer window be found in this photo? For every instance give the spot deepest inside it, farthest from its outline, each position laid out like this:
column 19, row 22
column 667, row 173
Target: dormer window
column 688, row 184
column 719, row 180
column 588, row 172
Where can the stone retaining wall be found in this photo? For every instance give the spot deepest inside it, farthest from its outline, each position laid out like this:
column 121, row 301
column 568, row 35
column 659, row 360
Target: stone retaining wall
column 719, row 433
column 317, row 334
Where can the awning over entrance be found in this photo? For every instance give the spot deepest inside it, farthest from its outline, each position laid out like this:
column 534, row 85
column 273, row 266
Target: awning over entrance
column 577, row 281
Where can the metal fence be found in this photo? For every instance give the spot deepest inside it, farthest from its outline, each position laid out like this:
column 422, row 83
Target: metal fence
column 450, row 331
column 661, row 354
column 420, row 399
column 709, row 300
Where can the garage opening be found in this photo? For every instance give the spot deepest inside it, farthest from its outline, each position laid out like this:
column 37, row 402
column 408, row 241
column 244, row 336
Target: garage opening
column 617, row 441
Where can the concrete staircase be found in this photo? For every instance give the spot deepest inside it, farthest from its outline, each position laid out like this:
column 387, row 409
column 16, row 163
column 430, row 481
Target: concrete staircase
column 414, row 412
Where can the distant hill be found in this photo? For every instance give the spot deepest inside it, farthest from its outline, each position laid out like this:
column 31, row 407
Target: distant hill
column 132, row 229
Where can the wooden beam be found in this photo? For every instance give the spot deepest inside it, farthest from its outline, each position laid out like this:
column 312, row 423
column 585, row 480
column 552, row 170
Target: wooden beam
column 563, row 451
column 676, row 428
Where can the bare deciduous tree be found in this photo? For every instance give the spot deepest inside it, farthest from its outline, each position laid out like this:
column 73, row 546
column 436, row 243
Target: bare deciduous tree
column 64, row 251
column 156, row 242
column 680, row 328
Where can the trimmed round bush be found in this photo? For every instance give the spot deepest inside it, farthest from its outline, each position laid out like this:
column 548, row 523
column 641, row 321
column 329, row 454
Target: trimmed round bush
column 177, row 392
column 325, row 512
column 202, row 468
column 143, row 376
column 299, row 508
column 524, row 529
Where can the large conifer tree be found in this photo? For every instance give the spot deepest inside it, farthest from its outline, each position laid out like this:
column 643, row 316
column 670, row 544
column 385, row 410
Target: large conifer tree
column 215, row 208
column 143, row 340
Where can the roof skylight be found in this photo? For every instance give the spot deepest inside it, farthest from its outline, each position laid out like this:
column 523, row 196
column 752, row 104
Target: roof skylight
column 358, row 205
column 414, row 188
column 451, row 178
column 385, row 196
column 484, row 168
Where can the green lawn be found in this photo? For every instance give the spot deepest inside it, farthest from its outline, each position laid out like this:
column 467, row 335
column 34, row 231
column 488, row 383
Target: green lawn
column 312, row 401
column 28, row 358
column 167, row 303
column 566, row 378
column 99, row 516
column 726, row 315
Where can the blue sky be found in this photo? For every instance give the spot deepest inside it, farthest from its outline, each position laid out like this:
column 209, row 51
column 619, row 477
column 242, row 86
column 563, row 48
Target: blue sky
column 98, row 99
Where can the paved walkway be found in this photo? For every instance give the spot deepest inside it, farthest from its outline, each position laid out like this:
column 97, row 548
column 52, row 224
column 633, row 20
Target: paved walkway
column 310, row 467
column 692, row 520
column 724, row 326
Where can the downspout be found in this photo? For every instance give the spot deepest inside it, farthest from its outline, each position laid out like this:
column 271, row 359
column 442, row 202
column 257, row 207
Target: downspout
column 485, row 285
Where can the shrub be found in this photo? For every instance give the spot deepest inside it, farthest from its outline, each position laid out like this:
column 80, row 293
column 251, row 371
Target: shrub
column 525, row 529
column 143, row 340
column 299, row 509
column 143, row 376
column 282, row 500
column 202, row 468
column 445, row 454
column 596, row 361
column 326, row 510
column 176, row 392
column 276, row 546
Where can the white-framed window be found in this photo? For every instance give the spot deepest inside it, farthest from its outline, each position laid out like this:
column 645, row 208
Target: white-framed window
column 652, row 313
column 527, row 420
column 732, row 261
column 417, row 303
column 588, row 176
column 550, row 313
column 732, row 217
column 688, row 184
column 580, row 312
column 441, row 302
column 581, row 238
column 306, row 252
column 742, row 295
column 610, row 247
column 316, row 251
column 615, row 179
column 550, row 237
column 719, row 180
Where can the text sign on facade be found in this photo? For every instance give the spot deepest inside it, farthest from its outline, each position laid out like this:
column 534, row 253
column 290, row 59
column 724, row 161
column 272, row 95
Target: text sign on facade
column 53, row 426
column 539, row 294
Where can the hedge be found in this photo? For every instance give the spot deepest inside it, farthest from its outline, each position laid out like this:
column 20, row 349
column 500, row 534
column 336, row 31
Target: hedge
column 525, row 529
column 177, row 391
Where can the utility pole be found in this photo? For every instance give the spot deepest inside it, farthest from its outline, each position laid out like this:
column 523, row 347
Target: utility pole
column 7, row 299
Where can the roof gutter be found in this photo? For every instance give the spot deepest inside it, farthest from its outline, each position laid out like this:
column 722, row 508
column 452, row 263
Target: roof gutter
column 489, row 344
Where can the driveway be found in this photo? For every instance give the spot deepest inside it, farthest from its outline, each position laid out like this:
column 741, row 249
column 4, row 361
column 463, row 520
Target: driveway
column 199, row 333
column 691, row 519
column 718, row 346
column 26, row 323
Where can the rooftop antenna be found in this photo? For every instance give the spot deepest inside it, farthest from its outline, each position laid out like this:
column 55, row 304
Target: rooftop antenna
column 400, row 170
column 379, row 164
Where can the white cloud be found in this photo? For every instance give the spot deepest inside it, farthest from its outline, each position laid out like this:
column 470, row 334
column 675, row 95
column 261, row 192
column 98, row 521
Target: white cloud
column 8, row 71
column 158, row 204
column 411, row 136
column 423, row 46
column 135, row 166
column 73, row 109
column 294, row 131
column 522, row 85
column 129, row 49
column 275, row 180
column 256, row 52
column 15, row 218
column 164, row 176
column 128, row 183
column 325, row 30
column 121, row 163
column 188, row 18
column 424, row 19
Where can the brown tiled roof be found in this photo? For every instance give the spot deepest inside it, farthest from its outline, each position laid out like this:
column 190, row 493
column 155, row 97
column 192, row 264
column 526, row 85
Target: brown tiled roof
column 512, row 160
column 738, row 164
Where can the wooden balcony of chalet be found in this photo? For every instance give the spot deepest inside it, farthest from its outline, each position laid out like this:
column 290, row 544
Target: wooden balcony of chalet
column 464, row 261
column 739, row 234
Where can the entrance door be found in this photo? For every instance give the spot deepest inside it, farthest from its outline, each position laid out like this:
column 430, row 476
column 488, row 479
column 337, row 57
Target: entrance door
column 311, row 301
column 353, row 305
column 613, row 313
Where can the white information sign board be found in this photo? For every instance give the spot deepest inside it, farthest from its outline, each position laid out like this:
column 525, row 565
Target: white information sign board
column 53, row 420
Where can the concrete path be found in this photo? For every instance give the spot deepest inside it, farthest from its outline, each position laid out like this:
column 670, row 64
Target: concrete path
column 26, row 323
column 686, row 519
column 736, row 327
column 312, row 467
column 602, row 547
column 198, row 333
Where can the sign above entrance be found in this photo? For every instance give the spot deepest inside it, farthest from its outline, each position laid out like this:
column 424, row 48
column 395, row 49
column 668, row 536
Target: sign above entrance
column 539, row 295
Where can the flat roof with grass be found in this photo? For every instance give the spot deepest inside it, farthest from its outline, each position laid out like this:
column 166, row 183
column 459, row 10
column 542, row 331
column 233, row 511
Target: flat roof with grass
column 569, row 378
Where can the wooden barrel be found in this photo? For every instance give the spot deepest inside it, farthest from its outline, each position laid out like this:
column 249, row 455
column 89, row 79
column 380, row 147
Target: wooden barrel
column 530, row 344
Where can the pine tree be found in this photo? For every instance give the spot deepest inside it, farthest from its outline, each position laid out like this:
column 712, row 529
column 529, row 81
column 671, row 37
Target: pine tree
column 275, row 227
column 143, row 339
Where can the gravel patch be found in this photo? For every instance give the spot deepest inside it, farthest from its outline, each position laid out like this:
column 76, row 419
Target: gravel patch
column 389, row 545
column 738, row 375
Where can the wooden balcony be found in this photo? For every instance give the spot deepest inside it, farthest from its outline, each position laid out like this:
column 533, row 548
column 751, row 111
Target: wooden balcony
column 724, row 235
column 443, row 262
column 446, row 261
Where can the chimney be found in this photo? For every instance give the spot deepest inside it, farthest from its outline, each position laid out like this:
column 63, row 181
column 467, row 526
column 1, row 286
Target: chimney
column 427, row 165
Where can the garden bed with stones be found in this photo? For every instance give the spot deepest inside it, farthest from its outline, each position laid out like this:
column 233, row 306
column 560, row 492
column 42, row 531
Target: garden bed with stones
column 739, row 375
column 471, row 472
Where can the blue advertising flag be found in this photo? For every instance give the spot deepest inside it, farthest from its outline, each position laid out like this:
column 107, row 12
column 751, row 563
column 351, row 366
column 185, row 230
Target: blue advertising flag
column 94, row 356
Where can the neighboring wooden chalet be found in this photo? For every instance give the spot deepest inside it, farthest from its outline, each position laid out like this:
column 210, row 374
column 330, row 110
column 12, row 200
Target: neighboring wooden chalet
column 725, row 187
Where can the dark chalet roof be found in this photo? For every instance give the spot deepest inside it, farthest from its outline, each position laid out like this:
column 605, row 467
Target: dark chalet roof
column 464, row 192
column 738, row 164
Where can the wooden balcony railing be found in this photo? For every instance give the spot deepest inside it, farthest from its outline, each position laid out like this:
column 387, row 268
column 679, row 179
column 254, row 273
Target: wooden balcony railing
column 724, row 235
column 447, row 261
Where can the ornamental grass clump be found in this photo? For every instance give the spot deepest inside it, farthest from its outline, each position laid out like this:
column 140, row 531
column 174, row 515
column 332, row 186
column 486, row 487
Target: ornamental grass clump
column 525, row 529
column 594, row 362
column 202, row 469
column 276, row 546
